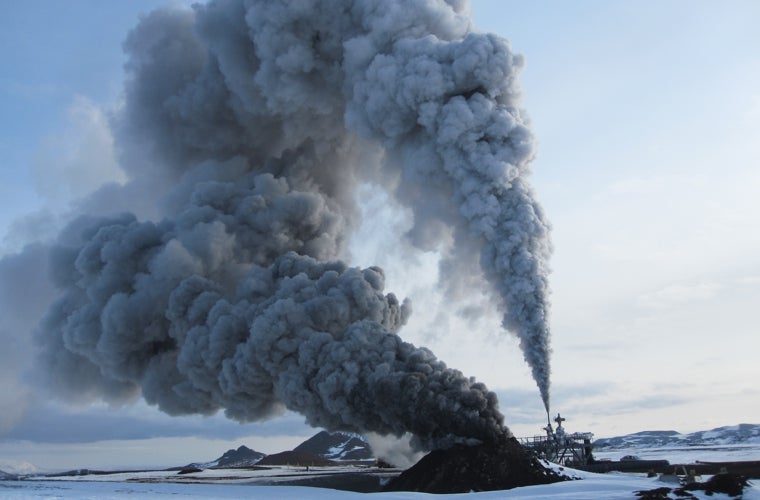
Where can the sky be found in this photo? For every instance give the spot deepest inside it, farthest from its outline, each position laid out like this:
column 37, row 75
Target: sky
column 647, row 119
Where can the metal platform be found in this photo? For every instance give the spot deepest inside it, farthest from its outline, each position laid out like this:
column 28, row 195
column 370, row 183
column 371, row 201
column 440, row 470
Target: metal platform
column 559, row 447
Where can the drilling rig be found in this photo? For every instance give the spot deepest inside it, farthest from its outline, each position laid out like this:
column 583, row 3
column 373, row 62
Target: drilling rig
column 559, row 447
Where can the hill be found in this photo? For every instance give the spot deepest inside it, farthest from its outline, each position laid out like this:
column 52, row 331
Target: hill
column 720, row 436
column 241, row 457
column 7, row 476
column 337, row 446
column 324, row 448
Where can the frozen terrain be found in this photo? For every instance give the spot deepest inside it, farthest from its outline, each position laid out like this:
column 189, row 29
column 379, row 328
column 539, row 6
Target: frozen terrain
column 608, row 486
column 723, row 444
column 262, row 483
column 742, row 434
column 685, row 455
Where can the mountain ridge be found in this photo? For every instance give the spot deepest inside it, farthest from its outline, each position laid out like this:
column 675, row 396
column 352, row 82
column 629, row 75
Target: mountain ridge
column 7, row 476
column 321, row 449
column 337, row 446
column 719, row 436
column 347, row 447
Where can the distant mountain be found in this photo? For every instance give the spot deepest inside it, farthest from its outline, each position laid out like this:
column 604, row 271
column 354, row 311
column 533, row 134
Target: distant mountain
column 337, row 446
column 324, row 448
column 730, row 435
column 15, row 467
column 242, row 457
column 7, row 476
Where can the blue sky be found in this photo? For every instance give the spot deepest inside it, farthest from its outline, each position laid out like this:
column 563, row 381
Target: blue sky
column 52, row 53
column 647, row 116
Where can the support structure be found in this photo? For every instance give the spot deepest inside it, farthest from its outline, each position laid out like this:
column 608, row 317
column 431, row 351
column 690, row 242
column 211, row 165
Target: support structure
column 560, row 447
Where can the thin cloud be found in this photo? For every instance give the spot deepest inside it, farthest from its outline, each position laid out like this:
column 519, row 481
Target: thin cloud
column 680, row 294
column 51, row 423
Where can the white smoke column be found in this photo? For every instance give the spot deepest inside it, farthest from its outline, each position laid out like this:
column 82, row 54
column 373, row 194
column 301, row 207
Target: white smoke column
column 242, row 118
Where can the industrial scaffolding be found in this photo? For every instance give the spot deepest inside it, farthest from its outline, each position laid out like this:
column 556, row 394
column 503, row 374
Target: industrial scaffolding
column 559, row 447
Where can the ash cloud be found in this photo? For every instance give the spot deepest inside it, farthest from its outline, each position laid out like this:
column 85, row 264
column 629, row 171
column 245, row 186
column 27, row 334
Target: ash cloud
column 251, row 126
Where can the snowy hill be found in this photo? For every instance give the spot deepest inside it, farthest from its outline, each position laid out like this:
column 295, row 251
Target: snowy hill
column 721, row 436
column 15, row 467
column 242, row 457
column 322, row 447
column 6, row 476
column 337, row 446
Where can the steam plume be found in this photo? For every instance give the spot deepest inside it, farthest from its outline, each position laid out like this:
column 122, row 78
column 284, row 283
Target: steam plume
column 253, row 123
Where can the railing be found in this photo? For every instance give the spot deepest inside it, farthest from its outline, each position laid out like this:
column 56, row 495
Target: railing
column 576, row 436
column 564, row 448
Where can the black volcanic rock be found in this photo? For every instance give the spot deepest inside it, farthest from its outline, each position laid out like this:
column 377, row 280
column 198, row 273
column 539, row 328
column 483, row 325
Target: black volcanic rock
column 486, row 467
column 242, row 457
column 300, row 458
column 189, row 470
column 729, row 484
column 337, row 446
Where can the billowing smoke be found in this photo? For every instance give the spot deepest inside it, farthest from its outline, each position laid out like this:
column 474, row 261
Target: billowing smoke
column 252, row 123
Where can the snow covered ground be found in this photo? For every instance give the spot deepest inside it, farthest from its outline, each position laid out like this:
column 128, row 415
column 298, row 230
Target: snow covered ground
column 687, row 454
column 258, row 484
column 263, row 475
column 608, row 486
column 239, row 483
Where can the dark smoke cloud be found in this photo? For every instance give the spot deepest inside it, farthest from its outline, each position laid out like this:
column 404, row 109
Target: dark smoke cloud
column 252, row 125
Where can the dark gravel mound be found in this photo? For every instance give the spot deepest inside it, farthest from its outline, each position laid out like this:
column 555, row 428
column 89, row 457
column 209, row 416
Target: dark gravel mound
column 295, row 458
column 662, row 493
column 190, row 470
column 729, row 484
column 486, row 467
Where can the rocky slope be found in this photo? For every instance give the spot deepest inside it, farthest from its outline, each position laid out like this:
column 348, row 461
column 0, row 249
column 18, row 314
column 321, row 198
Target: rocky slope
column 242, row 457
column 337, row 446
column 323, row 448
